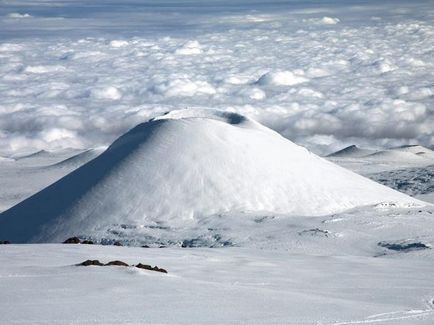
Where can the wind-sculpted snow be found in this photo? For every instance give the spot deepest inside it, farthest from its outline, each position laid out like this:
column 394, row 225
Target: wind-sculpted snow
column 79, row 74
column 186, row 169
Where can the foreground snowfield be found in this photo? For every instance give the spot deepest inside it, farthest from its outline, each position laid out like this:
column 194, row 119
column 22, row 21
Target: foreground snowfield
column 40, row 284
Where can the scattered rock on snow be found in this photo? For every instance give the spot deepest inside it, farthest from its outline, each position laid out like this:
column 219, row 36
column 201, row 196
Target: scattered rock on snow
column 150, row 268
column 315, row 232
column 144, row 266
column 121, row 263
column 91, row 262
column 117, row 243
column 117, row 263
column 403, row 246
column 72, row 240
column 88, row 242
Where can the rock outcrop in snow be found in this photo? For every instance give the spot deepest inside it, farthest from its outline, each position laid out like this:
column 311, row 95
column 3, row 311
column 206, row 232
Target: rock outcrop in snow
column 185, row 168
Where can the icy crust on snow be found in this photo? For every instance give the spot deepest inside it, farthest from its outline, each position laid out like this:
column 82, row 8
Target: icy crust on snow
column 188, row 166
column 321, row 74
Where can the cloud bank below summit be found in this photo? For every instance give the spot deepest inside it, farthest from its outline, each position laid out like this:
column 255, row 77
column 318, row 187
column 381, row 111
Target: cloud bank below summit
column 323, row 77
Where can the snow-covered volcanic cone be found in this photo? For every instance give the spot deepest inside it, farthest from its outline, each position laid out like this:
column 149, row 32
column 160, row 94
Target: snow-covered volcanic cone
column 186, row 167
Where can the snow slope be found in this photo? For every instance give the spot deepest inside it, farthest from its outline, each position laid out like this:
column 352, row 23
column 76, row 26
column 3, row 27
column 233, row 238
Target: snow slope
column 24, row 175
column 184, row 167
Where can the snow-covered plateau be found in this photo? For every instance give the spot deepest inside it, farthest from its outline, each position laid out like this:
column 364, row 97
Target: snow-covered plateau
column 191, row 132
column 40, row 284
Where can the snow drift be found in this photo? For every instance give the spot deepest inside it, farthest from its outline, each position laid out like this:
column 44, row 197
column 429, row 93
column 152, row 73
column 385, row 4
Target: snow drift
column 183, row 168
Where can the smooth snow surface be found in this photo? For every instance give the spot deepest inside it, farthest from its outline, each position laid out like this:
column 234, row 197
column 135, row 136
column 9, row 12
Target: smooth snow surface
column 40, row 284
column 185, row 167
column 325, row 74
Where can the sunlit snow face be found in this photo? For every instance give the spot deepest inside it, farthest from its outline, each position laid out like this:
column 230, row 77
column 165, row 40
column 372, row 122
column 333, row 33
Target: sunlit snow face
column 322, row 76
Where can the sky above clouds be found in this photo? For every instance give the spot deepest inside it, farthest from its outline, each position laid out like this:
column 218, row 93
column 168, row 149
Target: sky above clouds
column 79, row 74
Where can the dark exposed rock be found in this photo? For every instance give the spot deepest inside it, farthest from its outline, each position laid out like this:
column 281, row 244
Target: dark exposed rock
column 120, row 263
column 145, row 246
column 404, row 247
column 117, row 263
column 4, row 242
column 194, row 242
column 117, row 243
column 162, row 270
column 158, row 269
column 72, row 240
column 88, row 242
column 144, row 266
column 315, row 232
column 91, row 262
column 150, row 268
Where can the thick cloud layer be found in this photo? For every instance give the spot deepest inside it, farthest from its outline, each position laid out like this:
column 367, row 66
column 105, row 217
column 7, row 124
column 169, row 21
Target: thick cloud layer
column 323, row 77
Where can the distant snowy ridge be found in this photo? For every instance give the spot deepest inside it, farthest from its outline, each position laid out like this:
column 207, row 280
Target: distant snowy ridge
column 186, row 168
column 408, row 169
column 413, row 151
column 368, row 161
